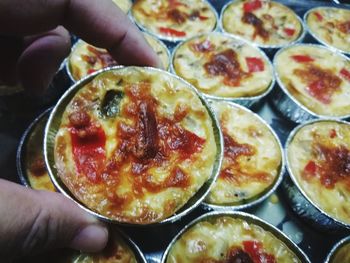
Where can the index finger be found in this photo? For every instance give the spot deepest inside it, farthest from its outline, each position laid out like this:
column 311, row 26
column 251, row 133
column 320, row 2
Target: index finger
column 100, row 23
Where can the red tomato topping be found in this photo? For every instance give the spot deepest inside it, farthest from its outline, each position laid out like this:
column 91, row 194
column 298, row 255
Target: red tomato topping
column 345, row 74
column 252, row 5
column 319, row 16
column 255, row 250
column 332, row 133
column 91, row 70
column 203, row 17
column 289, row 31
column 302, row 58
column 255, row 64
column 175, row 3
column 171, row 32
column 89, row 151
column 318, row 90
column 310, row 168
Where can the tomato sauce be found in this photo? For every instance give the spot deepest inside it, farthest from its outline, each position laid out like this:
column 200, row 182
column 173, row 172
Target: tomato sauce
column 257, row 23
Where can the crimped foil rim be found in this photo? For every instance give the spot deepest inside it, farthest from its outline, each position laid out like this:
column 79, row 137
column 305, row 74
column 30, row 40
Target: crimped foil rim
column 263, row 46
column 245, row 216
column 22, row 145
column 292, row 176
column 175, row 39
column 274, row 185
column 183, row 210
column 237, row 99
column 307, row 28
column 338, row 245
column 291, row 97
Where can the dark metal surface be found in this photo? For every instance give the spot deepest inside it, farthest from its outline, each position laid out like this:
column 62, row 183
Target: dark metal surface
column 18, row 111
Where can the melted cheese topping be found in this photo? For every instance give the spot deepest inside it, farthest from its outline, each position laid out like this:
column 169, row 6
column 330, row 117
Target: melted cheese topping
column 36, row 171
column 318, row 78
column 222, row 66
column 342, row 255
column 248, row 169
column 86, row 59
column 148, row 158
column 227, row 239
column 331, row 25
column 124, row 5
column 318, row 156
column 174, row 19
column 263, row 22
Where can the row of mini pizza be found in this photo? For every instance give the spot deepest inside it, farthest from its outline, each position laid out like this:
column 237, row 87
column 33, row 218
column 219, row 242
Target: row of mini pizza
column 141, row 146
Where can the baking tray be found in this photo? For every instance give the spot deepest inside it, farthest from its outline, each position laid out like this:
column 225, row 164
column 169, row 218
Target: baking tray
column 14, row 119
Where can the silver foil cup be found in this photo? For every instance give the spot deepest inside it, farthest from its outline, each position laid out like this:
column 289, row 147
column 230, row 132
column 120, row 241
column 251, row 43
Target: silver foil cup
column 248, row 102
column 269, row 49
column 140, row 258
column 315, row 37
column 38, row 123
column 53, row 126
column 264, row 195
column 300, row 203
column 250, row 219
column 289, row 106
column 340, row 244
column 169, row 40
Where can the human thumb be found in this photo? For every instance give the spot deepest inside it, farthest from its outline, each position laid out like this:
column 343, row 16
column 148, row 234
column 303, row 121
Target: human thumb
column 33, row 221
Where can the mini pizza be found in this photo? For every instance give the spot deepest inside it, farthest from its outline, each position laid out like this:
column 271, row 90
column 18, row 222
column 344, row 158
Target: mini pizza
column 221, row 66
column 248, row 169
column 263, row 22
column 116, row 251
column 228, row 239
column 86, row 59
column 342, row 254
column 135, row 144
column 174, row 19
column 319, row 160
column 124, row 5
column 35, row 168
column 316, row 77
column 330, row 26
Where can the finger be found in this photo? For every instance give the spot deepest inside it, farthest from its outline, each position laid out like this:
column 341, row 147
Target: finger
column 41, row 59
column 33, row 221
column 10, row 50
column 101, row 23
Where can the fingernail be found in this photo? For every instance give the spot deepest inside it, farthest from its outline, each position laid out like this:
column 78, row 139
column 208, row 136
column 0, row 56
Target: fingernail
column 92, row 238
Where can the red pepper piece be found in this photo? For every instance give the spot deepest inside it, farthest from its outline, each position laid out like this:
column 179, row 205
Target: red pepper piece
column 310, row 168
column 91, row 70
column 332, row 133
column 252, row 5
column 255, row 251
column 302, row 58
column 319, row 16
column 345, row 74
column 255, row 64
column 202, row 18
column 318, row 90
column 289, row 31
column 171, row 32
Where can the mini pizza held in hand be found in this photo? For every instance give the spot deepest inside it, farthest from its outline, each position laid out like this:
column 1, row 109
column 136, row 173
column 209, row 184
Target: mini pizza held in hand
column 135, row 144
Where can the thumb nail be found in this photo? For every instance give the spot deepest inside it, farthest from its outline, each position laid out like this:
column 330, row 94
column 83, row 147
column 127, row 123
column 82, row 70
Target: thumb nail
column 92, row 238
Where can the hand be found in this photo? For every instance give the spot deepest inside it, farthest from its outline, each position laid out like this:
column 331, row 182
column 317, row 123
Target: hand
column 33, row 43
column 34, row 39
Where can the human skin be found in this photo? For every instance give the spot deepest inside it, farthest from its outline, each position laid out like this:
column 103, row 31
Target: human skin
column 33, row 43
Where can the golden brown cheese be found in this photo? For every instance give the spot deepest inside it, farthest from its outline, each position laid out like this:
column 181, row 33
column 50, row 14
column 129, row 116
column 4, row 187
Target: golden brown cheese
column 124, row 5
column 264, row 22
column 35, row 167
column 174, row 19
column 219, row 65
column 135, row 145
column 248, row 169
column 331, row 26
column 317, row 78
column 227, row 239
column 341, row 255
column 319, row 158
column 86, row 59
